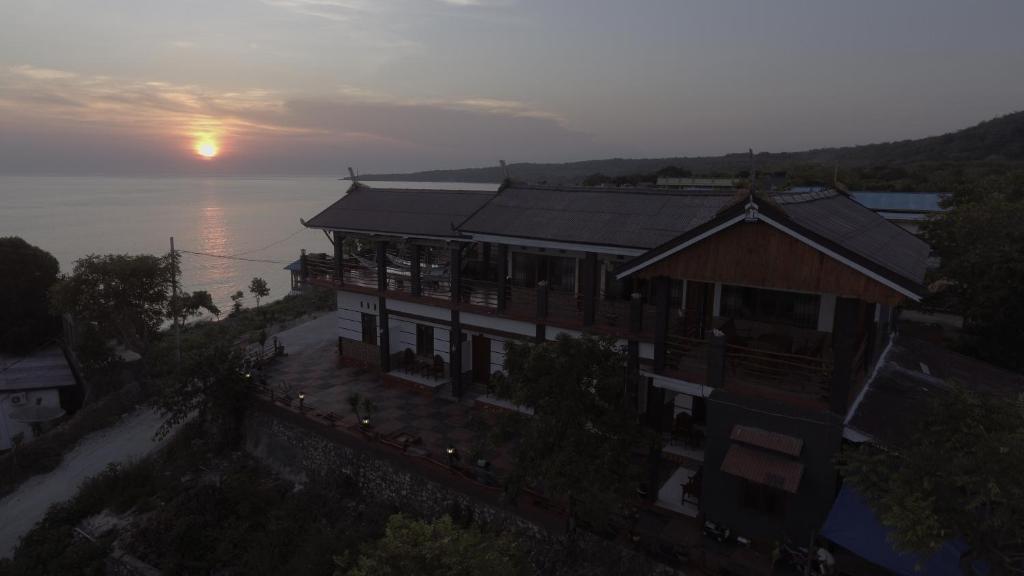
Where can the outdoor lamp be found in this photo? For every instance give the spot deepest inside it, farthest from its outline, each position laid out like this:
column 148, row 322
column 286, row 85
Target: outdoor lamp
column 302, row 397
column 366, row 421
column 451, row 456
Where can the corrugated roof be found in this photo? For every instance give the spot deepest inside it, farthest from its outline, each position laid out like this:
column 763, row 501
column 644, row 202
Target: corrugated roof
column 44, row 369
column 763, row 468
column 622, row 217
column 858, row 229
column 767, row 439
column 405, row 212
column 903, row 201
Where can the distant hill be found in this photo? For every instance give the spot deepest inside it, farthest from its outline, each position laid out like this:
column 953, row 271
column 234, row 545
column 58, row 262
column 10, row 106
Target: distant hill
column 926, row 163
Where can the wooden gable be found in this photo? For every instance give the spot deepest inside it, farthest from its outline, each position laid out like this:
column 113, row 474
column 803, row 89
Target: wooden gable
column 757, row 254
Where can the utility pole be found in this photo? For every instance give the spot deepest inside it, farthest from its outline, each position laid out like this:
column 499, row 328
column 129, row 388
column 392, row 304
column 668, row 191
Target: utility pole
column 174, row 307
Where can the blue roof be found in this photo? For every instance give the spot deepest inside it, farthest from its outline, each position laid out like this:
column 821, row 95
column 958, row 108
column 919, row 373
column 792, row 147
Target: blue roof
column 913, row 201
column 853, row 525
column 889, row 201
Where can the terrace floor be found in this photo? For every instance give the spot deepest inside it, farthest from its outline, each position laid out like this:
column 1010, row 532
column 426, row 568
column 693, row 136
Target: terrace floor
column 420, row 422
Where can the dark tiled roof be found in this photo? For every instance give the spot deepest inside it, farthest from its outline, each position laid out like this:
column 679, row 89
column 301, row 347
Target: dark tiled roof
column 790, row 445
column 898, row 396
column 858, row 229
column 763, row 468
column 401, row 211
column 625, row 217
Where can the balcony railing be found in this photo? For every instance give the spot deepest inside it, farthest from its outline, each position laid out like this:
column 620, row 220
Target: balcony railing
column 686, row 357
column 792, row 372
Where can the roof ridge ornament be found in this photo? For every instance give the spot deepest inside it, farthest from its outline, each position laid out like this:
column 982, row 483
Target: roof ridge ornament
column 752, row 209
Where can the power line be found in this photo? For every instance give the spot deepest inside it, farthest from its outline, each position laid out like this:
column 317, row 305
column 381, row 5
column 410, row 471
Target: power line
column 272, row 244
column 227, row 257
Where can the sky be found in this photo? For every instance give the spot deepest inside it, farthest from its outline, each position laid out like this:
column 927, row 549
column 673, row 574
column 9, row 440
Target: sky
column 315, row 86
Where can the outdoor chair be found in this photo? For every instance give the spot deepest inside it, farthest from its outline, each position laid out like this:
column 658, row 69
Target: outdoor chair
column 408, row 360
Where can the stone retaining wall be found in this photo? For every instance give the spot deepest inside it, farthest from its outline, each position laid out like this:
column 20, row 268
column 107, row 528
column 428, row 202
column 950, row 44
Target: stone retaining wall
column 306, row 451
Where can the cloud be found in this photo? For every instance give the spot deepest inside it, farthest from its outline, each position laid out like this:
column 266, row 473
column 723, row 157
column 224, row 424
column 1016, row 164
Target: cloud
column 153, row 123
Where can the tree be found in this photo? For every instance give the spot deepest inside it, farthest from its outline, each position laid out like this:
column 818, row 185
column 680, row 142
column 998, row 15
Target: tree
column 980, row 243
column 438, row 548
column 125, row 296
column 236, row 302
column 957, row 477
column 26, row 275
column 258, row 288
column 214, row 384
column 188, row 305
column 578, row 444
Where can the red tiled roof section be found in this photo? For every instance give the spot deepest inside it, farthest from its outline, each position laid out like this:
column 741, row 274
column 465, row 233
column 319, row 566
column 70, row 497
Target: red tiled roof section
column 768, row 440
column 763, row 468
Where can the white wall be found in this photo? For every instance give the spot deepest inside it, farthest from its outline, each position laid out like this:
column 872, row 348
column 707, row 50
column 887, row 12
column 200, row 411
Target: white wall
column 826, row 312
column 351, row 307
column 9, row 428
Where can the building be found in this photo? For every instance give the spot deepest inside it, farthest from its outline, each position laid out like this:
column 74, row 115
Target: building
column 30, row 393
column 752, row 320
column 908, row 210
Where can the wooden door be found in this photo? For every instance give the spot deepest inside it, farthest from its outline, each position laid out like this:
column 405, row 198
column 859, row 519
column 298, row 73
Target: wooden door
column 481, row 359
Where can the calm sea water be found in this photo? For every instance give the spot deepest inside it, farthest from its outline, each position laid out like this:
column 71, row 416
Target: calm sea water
column 255, row 218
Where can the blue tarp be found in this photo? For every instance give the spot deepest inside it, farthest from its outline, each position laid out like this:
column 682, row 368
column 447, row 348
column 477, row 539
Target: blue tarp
column 853, row 525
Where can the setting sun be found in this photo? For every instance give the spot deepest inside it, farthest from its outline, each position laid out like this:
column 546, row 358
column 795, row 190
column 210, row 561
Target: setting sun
column 207, row 148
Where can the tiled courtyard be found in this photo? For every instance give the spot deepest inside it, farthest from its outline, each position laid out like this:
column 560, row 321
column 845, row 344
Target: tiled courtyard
column 423, row 423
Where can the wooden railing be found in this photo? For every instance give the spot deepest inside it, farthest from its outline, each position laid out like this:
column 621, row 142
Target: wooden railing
column 612, row 314
column 356, row 273
column 565, row 306
column 482, row 293
column 794, row 372
column 686, row 357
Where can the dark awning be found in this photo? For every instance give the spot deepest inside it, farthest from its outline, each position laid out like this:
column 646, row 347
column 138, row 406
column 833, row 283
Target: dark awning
column 790, row 445
column 763, row 468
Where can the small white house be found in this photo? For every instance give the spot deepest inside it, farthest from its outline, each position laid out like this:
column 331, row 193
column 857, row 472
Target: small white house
column 30, row 393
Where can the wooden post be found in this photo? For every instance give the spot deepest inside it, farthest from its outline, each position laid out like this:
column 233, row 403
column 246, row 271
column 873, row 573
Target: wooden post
column 662, row 293
column 339, row 258
column 542, row 310
column 303, row 266
column 589, row 288
column 843, row 348
column 414, row 270
column 382, row 307
column 502, row 277
column 636, row 313
column 455, row 337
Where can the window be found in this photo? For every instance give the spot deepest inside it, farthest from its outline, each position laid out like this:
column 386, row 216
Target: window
column 424, row 340
column 772, row 306
column 524, row 269
column 369, row 329
column 561, row 274
column 761, row 498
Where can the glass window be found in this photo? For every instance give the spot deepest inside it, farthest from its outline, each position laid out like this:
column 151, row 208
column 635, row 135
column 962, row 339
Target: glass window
column 771, row 306
column 524, row 269
column 561, row 274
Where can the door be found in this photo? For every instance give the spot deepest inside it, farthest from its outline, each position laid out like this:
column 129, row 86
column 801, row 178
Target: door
column 481, row 359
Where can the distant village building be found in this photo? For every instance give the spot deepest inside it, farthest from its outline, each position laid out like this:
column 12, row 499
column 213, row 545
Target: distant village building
column 753, row 321
column 683, row 183
column 30, row 393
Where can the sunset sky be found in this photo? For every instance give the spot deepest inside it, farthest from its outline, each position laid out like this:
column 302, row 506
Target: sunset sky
column 313, row 86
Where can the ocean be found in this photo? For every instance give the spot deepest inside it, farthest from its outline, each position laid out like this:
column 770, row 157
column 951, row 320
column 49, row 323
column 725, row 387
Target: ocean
column 252, row 218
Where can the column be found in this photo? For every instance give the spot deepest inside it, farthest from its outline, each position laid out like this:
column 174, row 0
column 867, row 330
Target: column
column 589, row 288
column 662, row 294
column 414, row 270
column 384, row 342
column 844, row 346
column 502, row 277
column 339, row 257
column 455, row 337
column 542, row 310
column 636, row 313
